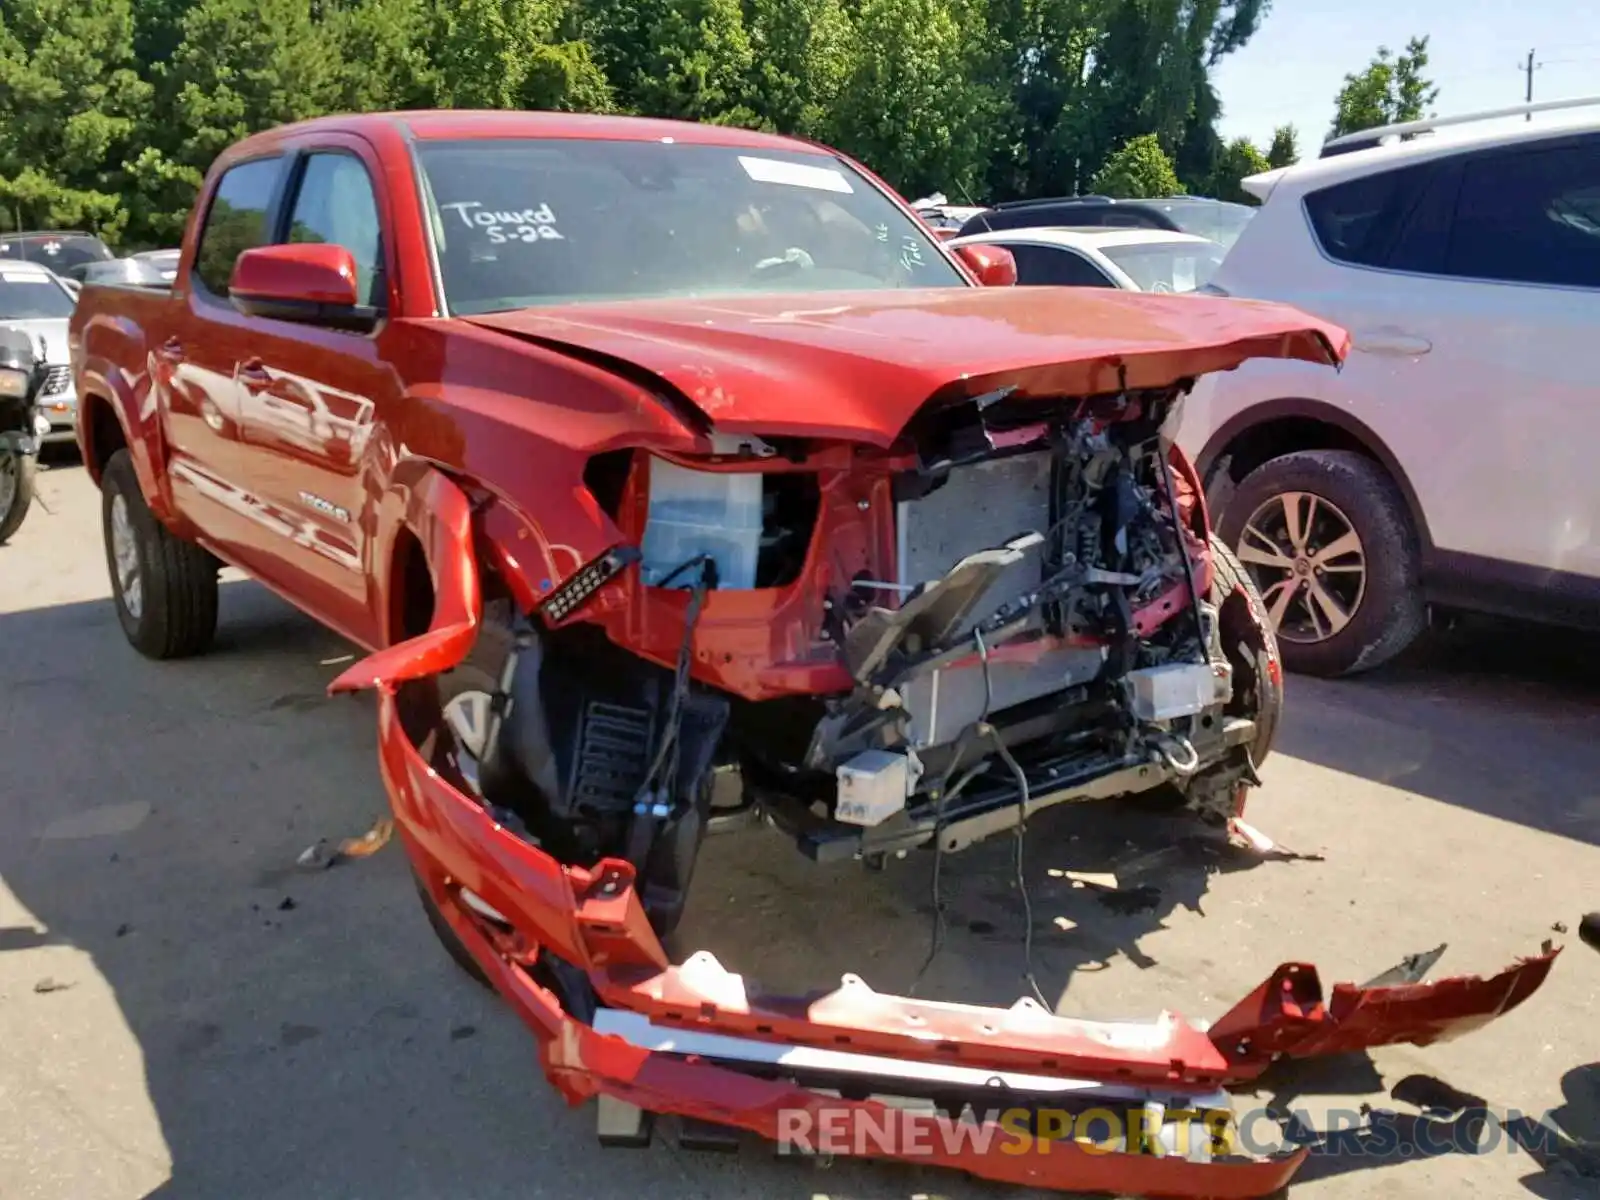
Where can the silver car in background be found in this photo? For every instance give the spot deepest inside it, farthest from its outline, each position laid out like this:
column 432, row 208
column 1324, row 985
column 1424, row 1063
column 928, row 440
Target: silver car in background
column 34, row 299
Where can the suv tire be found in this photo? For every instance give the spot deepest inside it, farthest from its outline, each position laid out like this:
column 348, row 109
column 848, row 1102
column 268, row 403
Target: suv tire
column 164, row 588
column 1347, row 611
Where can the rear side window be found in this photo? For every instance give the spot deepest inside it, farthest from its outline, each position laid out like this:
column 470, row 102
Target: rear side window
column 239, row 219
column 1359, row 221
column 1045, row 266
column 1530, row 217
column 335, row 204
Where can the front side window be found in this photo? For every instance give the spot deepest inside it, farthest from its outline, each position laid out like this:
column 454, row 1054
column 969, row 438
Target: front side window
column 335, row 204
column 522, row 222
column 238, row 220
column 1530, row 217
column 1167, row 266
column 32, row 296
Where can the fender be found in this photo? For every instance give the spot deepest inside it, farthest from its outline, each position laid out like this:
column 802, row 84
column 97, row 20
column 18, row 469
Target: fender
column 1327, row 414
column 429, row 504
column 141, row 430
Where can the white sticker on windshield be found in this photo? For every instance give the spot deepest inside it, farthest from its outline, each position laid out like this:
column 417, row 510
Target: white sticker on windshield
column 507, row 225
column 23, row 277
column 772, row 170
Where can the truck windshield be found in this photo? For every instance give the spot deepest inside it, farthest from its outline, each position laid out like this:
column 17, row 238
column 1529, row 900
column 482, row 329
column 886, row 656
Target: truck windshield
column 32, row 296
column 524, row 222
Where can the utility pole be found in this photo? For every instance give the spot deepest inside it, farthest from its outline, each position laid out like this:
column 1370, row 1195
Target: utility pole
column 1528, row 70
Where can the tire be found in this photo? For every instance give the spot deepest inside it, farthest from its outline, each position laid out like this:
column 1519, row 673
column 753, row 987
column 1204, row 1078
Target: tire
column 448, row 939
column 465, row 695
column 1252, row 650
column 21, row 495
column 172, row 612
column 1334, row 612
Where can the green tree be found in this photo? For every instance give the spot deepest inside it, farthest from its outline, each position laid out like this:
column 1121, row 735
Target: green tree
column 914, row 107
column 1285, row 148
column 73, row 109
column 1392, row 89
column 512, row 54
column 1138, row 170
column 803, row 52
column 1240, row 159
column 1151, row 73
column 244, row 66
column 689, row 59
column 383, row 54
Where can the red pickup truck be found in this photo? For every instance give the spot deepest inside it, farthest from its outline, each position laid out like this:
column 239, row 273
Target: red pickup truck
column 673, row 474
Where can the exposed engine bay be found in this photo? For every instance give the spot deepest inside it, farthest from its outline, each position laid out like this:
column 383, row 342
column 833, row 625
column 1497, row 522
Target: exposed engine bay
column 995, row 616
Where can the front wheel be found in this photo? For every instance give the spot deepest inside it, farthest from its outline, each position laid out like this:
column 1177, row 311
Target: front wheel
column 1250, row 646
column 16, row 491
column 164, row 588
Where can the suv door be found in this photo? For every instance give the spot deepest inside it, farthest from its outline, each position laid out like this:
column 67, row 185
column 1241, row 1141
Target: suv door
column 309, row 395
column 1476, row 355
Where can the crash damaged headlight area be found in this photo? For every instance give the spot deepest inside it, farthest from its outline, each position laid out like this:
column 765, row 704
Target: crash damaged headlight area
column 875, row 650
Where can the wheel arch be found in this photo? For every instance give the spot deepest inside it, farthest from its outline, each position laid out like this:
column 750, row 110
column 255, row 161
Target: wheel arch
column 1267, row 431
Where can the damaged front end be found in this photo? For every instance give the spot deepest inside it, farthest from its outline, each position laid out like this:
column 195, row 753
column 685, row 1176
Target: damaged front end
column 855, row 1071
column 1013, row 602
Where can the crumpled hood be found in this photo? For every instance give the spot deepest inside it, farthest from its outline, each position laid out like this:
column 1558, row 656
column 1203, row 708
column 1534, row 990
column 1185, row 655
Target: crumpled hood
column 858, row 365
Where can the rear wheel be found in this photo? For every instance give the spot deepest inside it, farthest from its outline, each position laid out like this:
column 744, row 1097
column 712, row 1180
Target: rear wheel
column 1326, row 537
column 164, row 588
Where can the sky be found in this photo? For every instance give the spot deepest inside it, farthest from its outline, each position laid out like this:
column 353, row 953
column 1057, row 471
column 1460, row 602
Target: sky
column 1290, row 72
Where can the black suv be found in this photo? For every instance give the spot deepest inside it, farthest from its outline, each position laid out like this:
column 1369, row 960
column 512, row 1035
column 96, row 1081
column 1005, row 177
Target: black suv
column 58, row 249
column 1219, row 220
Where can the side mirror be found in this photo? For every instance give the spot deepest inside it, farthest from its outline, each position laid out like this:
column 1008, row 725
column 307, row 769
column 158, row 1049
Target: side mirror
column 313, row 283
column 994, row 266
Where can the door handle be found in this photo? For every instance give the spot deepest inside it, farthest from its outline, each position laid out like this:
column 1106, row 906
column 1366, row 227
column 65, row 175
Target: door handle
column 1391, row 342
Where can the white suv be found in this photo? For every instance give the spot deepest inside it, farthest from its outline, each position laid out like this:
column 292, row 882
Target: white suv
column 1455, row 461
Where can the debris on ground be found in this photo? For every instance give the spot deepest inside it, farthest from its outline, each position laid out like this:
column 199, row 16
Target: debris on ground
column 1558, row 927
column 47, row 985
column 124, row 929
column 323, row 854
column 287, row 904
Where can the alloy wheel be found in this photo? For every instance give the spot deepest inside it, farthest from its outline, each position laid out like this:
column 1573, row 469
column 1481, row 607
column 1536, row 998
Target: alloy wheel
column 125, row 553
column 469, row 716
column 1308, row 563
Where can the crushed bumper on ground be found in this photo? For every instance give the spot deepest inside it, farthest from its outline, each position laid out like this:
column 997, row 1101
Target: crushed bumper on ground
column 696, row 1040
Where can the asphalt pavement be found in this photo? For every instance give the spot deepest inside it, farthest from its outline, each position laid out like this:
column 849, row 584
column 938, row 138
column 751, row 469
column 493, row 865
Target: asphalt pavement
column 185, row 1014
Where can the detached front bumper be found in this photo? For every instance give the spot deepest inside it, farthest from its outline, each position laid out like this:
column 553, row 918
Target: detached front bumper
column 696, row 1041
column 573, row 951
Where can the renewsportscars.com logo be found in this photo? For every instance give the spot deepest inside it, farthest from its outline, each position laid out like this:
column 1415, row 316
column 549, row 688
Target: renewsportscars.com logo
column 1195, row 1134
